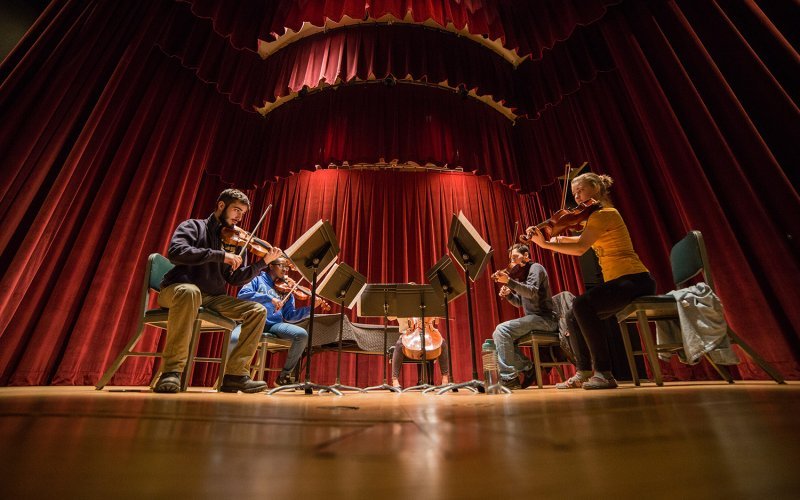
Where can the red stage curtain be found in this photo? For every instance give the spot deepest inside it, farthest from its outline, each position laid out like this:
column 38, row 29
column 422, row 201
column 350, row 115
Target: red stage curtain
column 528, row 26
column 370, row 51
column 105, row 140
column 398, row 123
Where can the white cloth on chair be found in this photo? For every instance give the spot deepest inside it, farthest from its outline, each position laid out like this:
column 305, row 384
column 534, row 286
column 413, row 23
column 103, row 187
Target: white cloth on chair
column 701, row 327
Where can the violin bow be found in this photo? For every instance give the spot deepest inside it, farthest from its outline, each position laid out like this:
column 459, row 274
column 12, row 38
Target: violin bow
column 286, row 297
column 515, row 233
column 253, row 232
column 567, row 169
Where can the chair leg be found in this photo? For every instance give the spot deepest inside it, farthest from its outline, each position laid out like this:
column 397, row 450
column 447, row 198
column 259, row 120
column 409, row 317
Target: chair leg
column 724, row 373
column 626, row 340
column 223, row 358
column 155, row 378
column 262, row 361
column 537, row 363
column 120, row 359
column 771, row 371
column 647, row 335
column 557, row 367
column 189, row 368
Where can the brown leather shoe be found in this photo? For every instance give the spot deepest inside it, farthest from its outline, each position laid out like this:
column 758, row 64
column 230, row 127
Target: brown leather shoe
column 528, row 378
column 236, row 383
column 511, row 384
column 169, row 382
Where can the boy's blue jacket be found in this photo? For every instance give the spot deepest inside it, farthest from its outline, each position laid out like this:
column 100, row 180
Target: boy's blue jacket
column 262, row 290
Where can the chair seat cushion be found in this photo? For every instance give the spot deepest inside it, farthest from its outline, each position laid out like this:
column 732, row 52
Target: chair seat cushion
column 211, row 320
column 655, row 306
column 540, row 336
column 653, row 298
column 272, row 340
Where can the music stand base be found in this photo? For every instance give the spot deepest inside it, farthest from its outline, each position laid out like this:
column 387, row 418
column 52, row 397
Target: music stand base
column 307, row 387
column 446, row 386
column 342, row 387
column 383, row 387
column 419, row 387
column 477, row 385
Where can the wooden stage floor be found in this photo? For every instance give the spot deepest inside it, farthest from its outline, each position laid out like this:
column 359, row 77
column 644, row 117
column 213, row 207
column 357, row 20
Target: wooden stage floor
column 685, row 440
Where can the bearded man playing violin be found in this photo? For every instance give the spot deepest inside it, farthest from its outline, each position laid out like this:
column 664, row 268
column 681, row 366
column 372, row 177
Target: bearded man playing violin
column 202, row 270
column 270, row 289
column 525, row 285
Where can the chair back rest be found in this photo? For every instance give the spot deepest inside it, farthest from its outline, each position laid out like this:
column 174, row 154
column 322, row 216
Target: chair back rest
column 689, row 258
column 157, row 267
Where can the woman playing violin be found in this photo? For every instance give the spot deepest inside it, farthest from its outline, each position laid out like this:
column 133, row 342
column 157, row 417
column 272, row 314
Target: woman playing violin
column 626, row 278
column 281, row 312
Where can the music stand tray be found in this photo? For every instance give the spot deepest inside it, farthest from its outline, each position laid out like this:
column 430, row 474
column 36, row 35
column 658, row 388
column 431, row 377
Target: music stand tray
column 470, row 251
column 312, row 254
column 342, row 285
column 380, row 301
column 468, row 248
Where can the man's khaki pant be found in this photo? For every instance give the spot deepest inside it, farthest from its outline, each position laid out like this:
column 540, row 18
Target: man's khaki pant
column 183, row 300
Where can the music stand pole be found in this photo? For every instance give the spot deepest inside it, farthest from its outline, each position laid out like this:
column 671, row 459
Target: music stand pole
column 338, row 385
column 474, row 383
column 424, row 386
column 307, row 385
column 385, row 384
column 446, row 292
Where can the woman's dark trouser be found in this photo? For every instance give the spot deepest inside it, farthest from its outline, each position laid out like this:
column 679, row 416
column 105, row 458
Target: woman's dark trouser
column 585, row 319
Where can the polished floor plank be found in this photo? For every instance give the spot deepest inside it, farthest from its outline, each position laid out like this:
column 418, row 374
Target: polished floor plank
column 690, row 440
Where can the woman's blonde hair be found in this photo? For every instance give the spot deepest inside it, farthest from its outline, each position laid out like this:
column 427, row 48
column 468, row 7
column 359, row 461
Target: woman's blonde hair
column 602, row 183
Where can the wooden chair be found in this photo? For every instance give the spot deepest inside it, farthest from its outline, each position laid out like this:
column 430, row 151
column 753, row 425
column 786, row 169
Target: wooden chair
column 206, row 321
column 688, row 259
column 267, row 347
column 540, row 338
column 536, row 339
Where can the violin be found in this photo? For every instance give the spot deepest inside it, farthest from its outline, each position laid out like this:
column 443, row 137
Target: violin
column 563, row 220
column 238, row 237
column 517, row 271
column 288, row 287
column 412, row 343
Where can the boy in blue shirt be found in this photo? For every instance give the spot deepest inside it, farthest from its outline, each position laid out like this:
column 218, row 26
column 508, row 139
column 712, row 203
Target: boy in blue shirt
column 280, row 316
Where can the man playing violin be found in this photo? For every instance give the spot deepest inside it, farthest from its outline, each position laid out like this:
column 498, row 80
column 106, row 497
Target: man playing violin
column 202, row 270
column 281, row 313
column 530, row 291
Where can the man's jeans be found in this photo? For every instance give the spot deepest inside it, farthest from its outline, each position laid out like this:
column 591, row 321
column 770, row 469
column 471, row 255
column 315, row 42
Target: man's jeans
column 511, row 359
column 287, row 331
column 299, row 338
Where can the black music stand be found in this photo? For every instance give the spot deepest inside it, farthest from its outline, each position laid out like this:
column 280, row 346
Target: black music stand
column 342, row 285
column 472, row 253
column 316, row 249
column 448, row 285
column 419, row 301
column 380, row 301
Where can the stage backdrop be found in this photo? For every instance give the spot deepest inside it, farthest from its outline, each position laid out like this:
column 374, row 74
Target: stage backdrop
column 107, row 143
